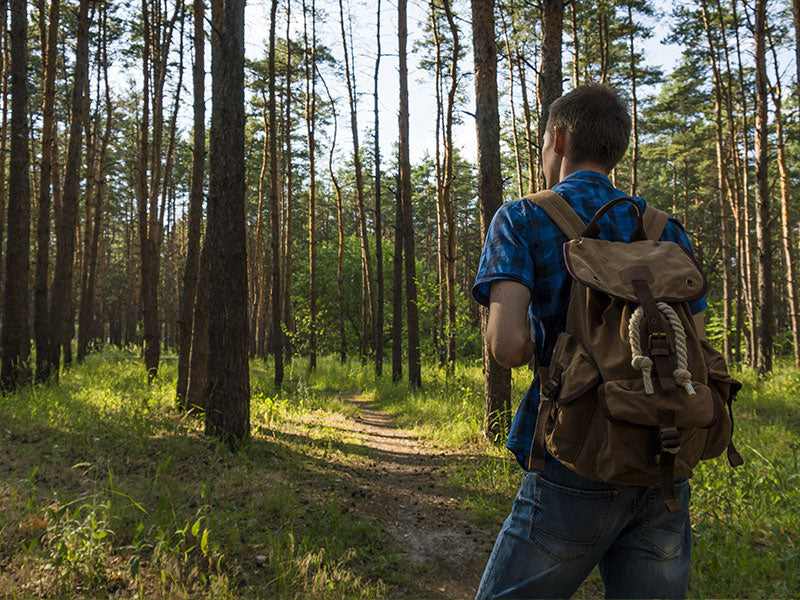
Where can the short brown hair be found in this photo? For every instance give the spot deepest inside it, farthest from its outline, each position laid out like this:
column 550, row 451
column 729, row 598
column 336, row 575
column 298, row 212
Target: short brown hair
column 598, row 121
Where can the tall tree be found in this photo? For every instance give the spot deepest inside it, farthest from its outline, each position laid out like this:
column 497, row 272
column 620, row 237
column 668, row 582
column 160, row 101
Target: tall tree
column 16, row 338
column 368, row 300
column 86, row 312
column 61, row 319
column 763, row 208
column 309, row 58
column 414, row 368
column 276, row 334
column 190, row 273
column 786, row 227
column 378, row 329
column 49, row 41
column 228, row 385
column 497, row 383
column 3, row 131
column 550, row 72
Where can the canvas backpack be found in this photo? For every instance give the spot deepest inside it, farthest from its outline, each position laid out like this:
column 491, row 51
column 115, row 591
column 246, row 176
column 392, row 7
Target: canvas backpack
column 632, row 395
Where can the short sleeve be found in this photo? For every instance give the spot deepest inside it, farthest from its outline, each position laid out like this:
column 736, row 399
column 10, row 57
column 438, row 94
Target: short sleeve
column 674, row 232
column 507, row 252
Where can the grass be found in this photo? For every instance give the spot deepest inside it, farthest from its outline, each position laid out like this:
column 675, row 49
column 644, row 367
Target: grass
column 106, row 490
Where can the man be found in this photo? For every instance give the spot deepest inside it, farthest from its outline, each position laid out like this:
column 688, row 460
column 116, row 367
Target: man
column 562, row 525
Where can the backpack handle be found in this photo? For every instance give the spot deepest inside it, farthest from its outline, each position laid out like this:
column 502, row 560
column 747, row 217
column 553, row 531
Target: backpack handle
column 593, row 229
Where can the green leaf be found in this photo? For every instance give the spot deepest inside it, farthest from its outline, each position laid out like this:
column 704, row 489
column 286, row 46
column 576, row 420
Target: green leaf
column 196, row 527
column 204, row 542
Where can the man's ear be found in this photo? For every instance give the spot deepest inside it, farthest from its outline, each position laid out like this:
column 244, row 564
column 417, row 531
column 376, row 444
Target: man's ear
column 559, row 140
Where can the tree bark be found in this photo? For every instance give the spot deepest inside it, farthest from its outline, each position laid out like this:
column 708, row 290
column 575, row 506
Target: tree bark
column 4, row 53
column 309, row 58
column 763, row 208
column 550, row 73
column 228, row 385
column 61, row 318
column 634, row 107
column 286, row 301
column 16, row 338
column 277, row 336
column 414, row 369
column 190, row 273
column 397, row 289
column 198, row 352
column 49, row 41
column 497, row 382
column 377, row 343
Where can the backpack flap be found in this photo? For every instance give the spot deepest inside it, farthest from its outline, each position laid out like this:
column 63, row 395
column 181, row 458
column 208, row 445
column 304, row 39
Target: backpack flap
column 623, row 404
column 610, row 267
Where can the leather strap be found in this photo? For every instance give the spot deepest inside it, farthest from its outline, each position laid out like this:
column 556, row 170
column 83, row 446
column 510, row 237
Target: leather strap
column 536, row 457
column 559, row 210
column 655, row 221
column 658, row 343
column 734, row 458
column 670, row 445
column 593, row 228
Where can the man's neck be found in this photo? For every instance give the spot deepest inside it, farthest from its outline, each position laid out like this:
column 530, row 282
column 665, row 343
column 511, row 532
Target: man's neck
column 569, row 167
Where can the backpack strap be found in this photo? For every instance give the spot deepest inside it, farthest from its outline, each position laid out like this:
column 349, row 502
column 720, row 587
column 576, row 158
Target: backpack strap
column 655, row 221
column 562, row 214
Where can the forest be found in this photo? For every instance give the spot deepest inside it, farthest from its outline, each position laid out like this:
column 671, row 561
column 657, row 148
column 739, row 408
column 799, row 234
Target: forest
column 237, row 251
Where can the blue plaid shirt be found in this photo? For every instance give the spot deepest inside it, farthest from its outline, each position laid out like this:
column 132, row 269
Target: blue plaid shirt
column 524, row 245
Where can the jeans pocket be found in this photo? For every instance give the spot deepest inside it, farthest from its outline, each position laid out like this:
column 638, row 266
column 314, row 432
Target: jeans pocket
column 663, row 532
column 569, row 523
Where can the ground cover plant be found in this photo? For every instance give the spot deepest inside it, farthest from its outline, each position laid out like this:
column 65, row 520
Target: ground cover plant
column 106, row 490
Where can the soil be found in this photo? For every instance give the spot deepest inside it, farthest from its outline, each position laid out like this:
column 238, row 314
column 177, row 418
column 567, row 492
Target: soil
column 404, row 486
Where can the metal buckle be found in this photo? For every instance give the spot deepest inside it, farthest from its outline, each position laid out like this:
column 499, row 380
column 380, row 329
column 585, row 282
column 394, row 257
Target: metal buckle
column 658, row 344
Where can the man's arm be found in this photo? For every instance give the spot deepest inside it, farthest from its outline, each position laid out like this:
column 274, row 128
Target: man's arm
column 508, row 332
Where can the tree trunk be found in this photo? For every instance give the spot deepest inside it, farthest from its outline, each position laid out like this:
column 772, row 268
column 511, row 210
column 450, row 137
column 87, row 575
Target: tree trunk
column 190, row 273
column 277, row 337
column 49, row 41
column 198, row 352
column 786, row 234
column 634, row 107
column 497, row 382
column 16, row 338
column 286, row 301
column 309, row 57
column 796, row 21
column 61, row 317
column 515, row 136
column 722, row 182
column 3, row 133
column 378, row 330
column 550, row 84
column 414, row 369
column 86, row 313
column 397, row 289
column 450, row 256
column 763, row 209
column 369, row 323
column 228, row 385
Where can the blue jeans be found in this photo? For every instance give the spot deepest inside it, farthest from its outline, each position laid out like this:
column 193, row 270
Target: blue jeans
column 562, row 525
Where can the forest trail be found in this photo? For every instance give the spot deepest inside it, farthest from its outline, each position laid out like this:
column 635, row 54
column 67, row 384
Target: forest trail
column 403, row 485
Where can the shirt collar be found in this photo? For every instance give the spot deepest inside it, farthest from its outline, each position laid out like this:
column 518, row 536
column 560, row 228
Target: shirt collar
column 586, row 176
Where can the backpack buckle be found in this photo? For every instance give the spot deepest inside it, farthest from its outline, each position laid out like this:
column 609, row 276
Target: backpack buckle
column 658, row 344
column 670, row 439
column 550, row 388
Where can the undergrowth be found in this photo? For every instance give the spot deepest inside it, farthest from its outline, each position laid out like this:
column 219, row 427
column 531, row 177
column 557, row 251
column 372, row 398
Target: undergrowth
column 105, row 489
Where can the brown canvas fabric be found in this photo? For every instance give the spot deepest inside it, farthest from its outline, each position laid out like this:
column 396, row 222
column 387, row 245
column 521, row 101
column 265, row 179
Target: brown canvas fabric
column 632, row 395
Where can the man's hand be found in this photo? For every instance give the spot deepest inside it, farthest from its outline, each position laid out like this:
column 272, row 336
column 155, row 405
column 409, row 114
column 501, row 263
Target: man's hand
column 508, row 332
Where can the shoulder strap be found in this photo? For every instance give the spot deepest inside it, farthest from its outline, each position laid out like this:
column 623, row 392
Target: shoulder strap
column 654, row 222
column 563, row 215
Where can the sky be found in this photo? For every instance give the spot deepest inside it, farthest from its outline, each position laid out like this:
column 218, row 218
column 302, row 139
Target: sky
column 422, row 106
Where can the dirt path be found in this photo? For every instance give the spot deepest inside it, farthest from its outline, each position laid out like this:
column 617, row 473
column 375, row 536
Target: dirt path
column 404, row 485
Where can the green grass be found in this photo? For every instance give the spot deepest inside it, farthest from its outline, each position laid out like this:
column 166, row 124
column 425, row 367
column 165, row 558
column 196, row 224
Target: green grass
column 105, row 489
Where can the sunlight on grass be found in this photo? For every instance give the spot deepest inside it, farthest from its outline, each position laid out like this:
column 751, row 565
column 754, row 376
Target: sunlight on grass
column 107, row 490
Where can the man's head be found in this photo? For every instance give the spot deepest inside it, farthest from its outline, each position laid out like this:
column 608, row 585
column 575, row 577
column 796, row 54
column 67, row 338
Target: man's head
column 590, row 124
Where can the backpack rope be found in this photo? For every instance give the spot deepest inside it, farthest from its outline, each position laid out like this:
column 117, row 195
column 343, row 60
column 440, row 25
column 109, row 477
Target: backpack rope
column 644, row 363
